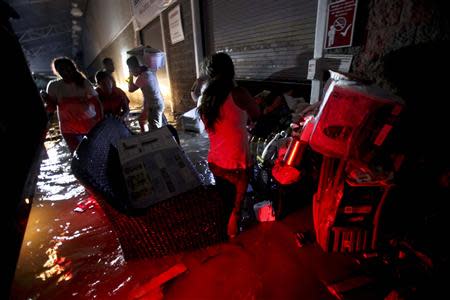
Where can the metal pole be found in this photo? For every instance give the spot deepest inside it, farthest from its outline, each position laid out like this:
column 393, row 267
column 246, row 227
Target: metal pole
column 316, row 84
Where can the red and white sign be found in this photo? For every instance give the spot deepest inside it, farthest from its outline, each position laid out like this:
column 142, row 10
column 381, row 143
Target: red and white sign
column 340, row 24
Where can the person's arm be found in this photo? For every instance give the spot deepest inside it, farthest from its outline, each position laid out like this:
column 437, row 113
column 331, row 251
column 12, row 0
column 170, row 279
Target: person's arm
column 196, row 90
column 194, row 96
column 131, row 85
column 98, row 106
column 246, row 102
column 92, row 96
column 49, row 97
column 125, row 104
column 50, row 102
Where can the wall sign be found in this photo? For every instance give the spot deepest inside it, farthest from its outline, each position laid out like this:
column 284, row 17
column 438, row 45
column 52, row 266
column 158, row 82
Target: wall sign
column 145, row 11
column 340, row 24
column 175, row 25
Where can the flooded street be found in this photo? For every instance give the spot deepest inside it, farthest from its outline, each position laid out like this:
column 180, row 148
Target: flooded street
column 70, row 249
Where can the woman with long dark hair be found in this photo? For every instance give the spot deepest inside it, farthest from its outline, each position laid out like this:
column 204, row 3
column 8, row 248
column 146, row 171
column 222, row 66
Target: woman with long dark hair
column 75, row 100
column 225, row 109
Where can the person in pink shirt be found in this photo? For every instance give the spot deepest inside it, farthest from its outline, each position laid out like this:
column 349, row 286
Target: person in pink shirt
column 75, row 100
column 225, row 109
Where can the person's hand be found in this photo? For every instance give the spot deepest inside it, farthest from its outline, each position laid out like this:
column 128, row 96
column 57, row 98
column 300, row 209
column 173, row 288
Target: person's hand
column 130, row 78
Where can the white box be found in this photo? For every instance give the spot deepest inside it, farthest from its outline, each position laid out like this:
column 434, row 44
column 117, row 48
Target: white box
column 155, row 168
column 192, row 122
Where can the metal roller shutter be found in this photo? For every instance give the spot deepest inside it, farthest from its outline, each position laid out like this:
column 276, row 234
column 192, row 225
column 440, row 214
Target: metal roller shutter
column 151, row 35
column 267, row 39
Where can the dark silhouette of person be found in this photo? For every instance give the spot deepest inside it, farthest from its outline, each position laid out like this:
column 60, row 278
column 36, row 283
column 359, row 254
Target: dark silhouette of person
column 108, row 67
column 153, row 106
column 115, row 102
column 75, row 100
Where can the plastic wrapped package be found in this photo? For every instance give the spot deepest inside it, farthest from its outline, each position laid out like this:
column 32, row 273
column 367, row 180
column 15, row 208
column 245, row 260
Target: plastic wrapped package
column 345, row 111
column 154, row 61
column 151, row 57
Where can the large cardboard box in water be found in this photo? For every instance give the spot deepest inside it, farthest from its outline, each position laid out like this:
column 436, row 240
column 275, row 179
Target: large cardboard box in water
column 155, row 168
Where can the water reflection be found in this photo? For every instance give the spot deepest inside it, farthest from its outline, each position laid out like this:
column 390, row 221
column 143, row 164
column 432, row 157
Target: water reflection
column 56, row 265
column 196, row 148
column 55, row 181
column 69, row 248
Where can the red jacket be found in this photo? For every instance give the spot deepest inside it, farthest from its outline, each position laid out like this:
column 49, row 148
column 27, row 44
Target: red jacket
column 116, row 103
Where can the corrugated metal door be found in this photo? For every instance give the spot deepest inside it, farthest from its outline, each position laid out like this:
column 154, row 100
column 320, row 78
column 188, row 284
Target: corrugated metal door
column 267, row 39
column 151, row 35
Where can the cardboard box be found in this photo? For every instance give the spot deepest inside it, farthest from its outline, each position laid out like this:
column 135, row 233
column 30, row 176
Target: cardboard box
column 155, row 168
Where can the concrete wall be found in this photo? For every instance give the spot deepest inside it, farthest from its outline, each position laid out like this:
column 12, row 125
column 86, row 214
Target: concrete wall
column 384, row 26
column 180, row 58
column 103, row 21
column 108, row 32
column 117, row 51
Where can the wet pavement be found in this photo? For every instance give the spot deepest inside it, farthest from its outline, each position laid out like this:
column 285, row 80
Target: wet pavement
column 70, row 250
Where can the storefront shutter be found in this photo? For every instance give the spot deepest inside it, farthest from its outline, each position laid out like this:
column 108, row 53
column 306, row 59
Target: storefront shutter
column 267, row 39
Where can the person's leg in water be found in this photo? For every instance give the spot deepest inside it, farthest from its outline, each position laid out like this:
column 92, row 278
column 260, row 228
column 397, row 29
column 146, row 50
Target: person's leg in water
column 142, row 121
column 155, row 118
column 241, row 183
column 239, row 180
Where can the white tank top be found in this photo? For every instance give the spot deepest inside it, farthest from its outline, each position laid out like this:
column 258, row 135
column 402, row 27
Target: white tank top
column 229, row 147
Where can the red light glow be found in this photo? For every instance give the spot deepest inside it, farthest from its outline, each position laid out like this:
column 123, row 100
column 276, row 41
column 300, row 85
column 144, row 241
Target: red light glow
column 293, row 153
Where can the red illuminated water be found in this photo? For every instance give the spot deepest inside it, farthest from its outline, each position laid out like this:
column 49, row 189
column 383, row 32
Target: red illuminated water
column 70, row 250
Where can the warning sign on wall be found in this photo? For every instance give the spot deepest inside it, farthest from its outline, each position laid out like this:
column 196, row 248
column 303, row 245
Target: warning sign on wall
column 340, row 24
